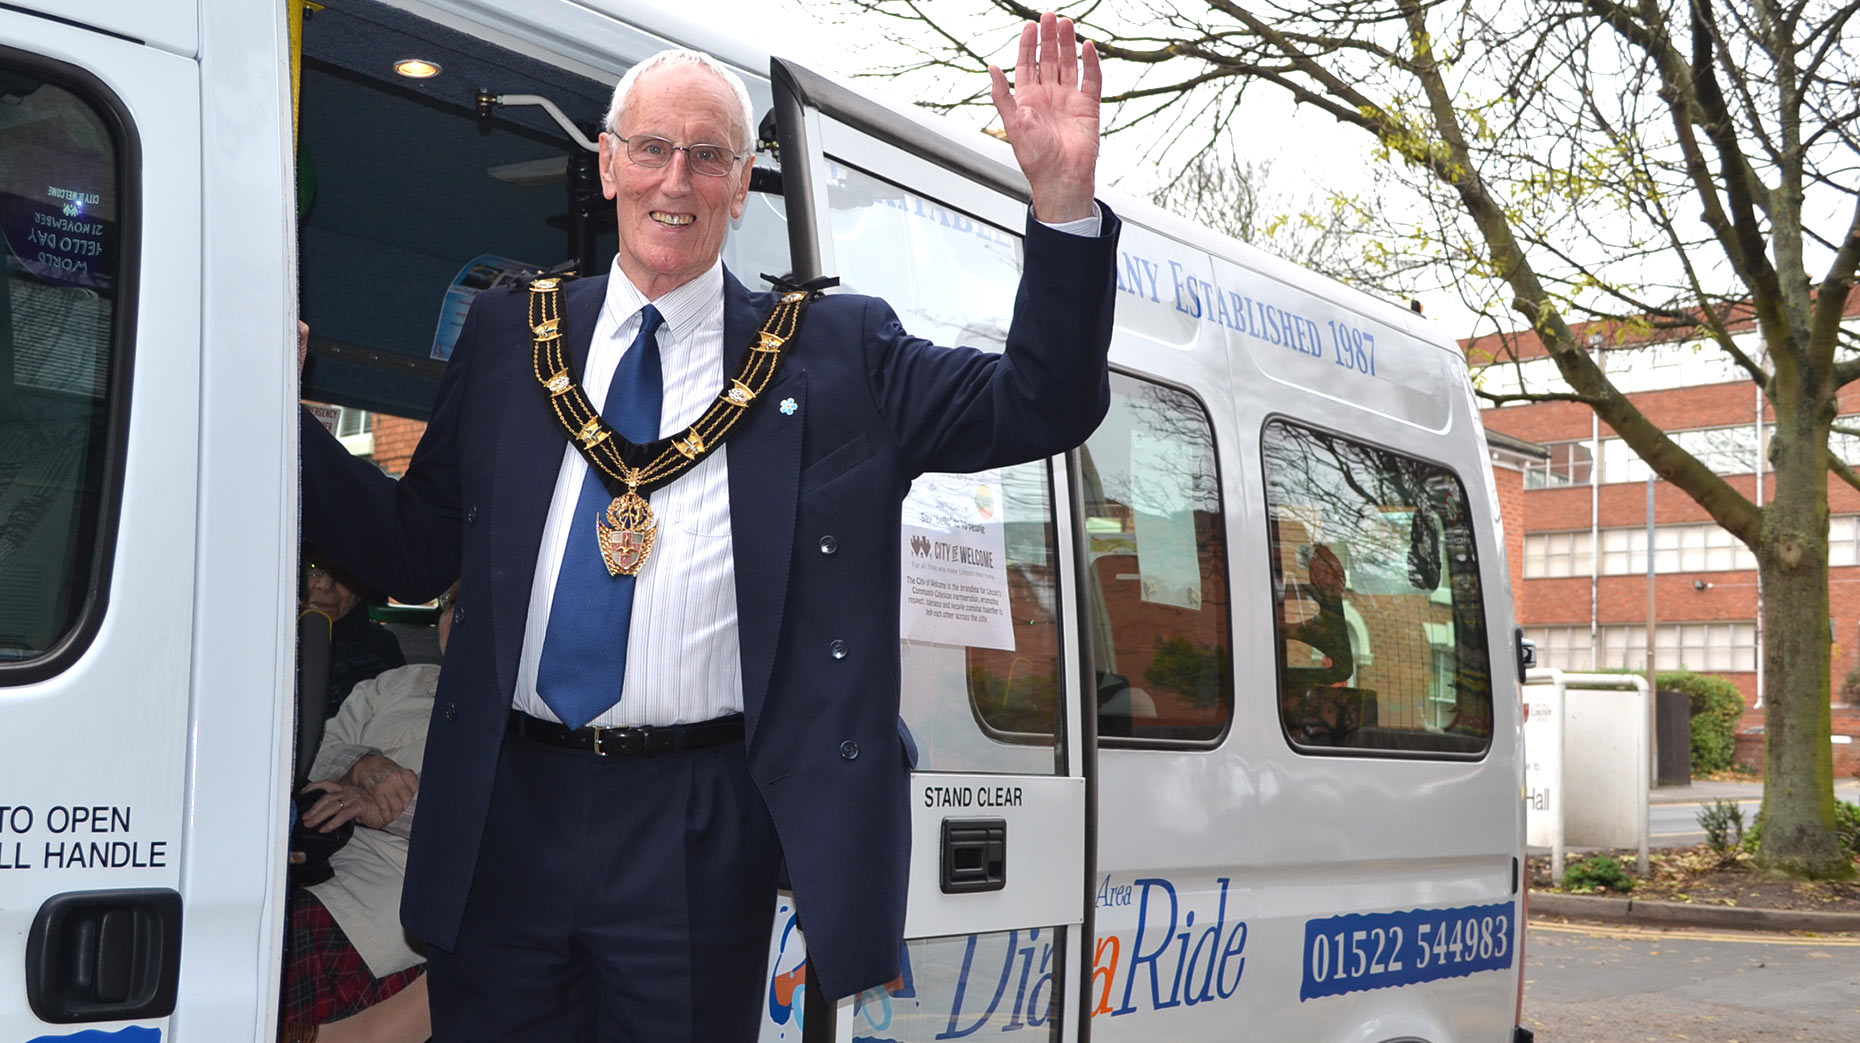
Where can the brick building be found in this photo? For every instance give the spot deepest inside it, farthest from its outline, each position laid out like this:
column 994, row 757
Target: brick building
column 1581, row 517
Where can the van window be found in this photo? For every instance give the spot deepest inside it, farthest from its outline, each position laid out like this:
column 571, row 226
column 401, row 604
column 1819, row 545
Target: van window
column 1157, row 573
column 979, row 595
column 61, row 254
column 1380, row 628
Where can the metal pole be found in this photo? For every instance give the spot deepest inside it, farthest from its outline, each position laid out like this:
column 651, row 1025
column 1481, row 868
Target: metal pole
column 1595, row 518
column 1595, row 541
column 1645, row 862
column 1759, row 463
column 1653, row 684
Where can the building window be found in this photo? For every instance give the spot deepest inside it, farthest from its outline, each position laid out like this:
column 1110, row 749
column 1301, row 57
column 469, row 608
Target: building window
column 1381, row 642
column 1552, row 554
column 1568, row 464
column 1701, row 547
column 1704, row 647
column 1844, row 540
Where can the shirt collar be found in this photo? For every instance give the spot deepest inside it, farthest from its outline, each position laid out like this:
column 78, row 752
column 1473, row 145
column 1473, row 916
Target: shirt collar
column 685, row 309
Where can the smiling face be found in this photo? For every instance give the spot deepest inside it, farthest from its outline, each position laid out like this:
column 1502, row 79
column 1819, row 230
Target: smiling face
column 672, row 221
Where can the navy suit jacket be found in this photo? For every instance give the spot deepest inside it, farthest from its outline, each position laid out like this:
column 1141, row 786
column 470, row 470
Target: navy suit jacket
column 875, row 408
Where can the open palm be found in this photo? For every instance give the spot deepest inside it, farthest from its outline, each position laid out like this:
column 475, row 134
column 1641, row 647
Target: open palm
column 1051, row 117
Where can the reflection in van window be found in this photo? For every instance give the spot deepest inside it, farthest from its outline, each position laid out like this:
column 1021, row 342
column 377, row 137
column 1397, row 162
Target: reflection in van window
column 1376, row 599
column 979, row 612
column 950, row 277
column 59, row 261
column 1157, row 572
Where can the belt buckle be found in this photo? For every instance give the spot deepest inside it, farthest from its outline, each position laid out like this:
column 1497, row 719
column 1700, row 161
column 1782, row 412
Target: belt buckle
column 623, row 742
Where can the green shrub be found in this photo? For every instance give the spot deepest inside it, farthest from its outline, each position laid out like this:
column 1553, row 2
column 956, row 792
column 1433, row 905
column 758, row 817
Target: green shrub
column 1850, row 687
column 1597, row 873
column 1716, row 706
column 1846, row 830
column 1723, row 823
column 1847, row 827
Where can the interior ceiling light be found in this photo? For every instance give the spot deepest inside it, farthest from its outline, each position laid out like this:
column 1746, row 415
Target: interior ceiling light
column 417, row 68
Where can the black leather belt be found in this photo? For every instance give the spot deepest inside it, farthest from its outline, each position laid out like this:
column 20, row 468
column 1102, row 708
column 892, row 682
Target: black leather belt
column 643, row 741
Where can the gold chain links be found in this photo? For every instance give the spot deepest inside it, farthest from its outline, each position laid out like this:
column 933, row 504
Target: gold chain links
column 599, row 442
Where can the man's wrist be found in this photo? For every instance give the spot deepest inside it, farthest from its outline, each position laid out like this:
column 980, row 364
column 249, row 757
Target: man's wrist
column 1088, row 226
column 1058, row 208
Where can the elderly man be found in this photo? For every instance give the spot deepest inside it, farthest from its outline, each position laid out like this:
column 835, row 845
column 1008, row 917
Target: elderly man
column 675, row 671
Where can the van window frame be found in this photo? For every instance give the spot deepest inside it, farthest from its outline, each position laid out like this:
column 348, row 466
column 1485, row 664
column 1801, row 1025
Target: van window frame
column 109, row 108
column 1273, row 608
column 1087, row 631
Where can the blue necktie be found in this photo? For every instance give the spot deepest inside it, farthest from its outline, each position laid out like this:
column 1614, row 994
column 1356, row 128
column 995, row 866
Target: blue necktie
column 583, row 664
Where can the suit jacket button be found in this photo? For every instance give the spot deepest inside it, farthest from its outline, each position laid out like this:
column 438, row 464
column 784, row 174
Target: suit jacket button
column 452, row 711
column 458, row 617
column 837, row 649
column 829, row 545
column 849, row 750
column 471, row 515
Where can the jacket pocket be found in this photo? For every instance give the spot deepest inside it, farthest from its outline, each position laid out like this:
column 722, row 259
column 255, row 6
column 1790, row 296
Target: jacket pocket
column 836, row 462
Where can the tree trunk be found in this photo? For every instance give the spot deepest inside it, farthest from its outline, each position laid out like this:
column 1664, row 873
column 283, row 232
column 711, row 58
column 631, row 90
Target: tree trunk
column 1798, row 772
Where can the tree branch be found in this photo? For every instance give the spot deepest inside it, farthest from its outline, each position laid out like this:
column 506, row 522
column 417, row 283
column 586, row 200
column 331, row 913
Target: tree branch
column 1842, row 471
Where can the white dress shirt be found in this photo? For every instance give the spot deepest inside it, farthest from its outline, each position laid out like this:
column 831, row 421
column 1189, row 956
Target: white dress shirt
column 683, row 662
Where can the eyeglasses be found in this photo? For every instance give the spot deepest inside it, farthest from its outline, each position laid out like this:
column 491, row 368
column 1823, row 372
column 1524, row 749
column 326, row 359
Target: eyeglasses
column 654, row 152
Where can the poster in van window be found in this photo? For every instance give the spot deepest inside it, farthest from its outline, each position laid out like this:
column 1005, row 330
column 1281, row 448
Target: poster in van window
column 1162, row 472
column 954, row 556
column 57, row 192
column 479, row 274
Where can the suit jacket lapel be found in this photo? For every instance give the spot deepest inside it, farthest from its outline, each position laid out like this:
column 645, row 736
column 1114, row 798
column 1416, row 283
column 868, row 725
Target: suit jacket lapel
column 765, row 482
column 529, row 453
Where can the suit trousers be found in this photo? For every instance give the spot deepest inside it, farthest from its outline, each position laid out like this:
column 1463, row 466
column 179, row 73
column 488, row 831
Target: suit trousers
column 615, row 899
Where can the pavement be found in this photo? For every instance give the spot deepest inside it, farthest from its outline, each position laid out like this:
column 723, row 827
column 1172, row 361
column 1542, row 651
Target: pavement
column 1702, row 792
column 1684, row 914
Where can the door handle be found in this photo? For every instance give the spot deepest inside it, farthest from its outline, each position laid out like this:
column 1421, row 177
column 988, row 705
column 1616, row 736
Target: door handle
column 104, row 956
column 974, row 855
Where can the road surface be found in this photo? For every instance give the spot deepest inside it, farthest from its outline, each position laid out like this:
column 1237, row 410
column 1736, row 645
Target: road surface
column 1605, row 984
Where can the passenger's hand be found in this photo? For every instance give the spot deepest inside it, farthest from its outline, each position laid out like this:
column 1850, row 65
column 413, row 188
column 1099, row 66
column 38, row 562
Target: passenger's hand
column 343, row 803
column 303, row 345
column 1051, row 117
column 391, row 785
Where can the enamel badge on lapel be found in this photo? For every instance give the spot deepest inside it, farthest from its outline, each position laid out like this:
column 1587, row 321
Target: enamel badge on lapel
column 628, row 528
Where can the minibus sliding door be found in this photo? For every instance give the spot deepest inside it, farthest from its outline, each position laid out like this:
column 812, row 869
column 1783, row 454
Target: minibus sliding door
column 997, row 923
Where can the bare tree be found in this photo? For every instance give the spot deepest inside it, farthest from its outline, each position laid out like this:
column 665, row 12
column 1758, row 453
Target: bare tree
column 1330, row 232
column 1685, row 170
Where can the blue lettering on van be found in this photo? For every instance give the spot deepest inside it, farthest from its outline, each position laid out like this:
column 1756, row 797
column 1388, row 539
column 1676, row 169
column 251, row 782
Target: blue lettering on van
column 1136, row 275
column 1194, row 963
column 1032, row 1005
column 1347, row 346
column 1359, row 951
column 1177, row 957
column 131, row 1034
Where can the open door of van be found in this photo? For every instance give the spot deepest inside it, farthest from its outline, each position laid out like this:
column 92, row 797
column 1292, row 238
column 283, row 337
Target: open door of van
column 991, row 687
column 141, row 735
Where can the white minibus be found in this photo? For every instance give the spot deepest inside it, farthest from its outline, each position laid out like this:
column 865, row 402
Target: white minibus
column 1218, row 715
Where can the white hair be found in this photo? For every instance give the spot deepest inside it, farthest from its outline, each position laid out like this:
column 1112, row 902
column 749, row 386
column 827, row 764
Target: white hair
column 681, row 56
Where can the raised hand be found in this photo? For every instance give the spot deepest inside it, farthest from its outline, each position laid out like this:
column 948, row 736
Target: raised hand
column 1051, row 117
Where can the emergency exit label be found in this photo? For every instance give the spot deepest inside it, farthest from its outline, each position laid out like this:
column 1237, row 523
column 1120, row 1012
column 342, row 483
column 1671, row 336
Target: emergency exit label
column 75, row 836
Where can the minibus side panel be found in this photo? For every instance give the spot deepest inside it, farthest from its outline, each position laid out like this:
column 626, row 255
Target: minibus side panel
column 243, row 647
column 1265, row 846
column 172, row 25
column 94, row 755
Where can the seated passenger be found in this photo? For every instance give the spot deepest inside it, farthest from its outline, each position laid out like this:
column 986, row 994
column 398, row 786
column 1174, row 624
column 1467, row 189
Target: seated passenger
column 359, row 647
column 345, row 951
